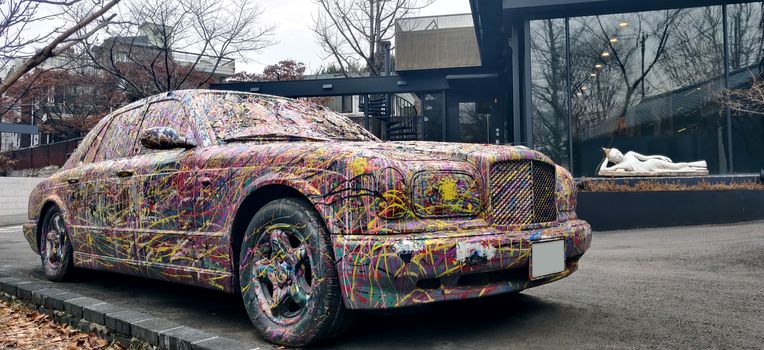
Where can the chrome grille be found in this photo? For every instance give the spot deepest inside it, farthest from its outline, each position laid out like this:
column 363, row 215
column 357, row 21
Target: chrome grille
column 522, row 193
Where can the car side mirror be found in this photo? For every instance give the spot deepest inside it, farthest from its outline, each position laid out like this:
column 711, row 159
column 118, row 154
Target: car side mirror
column 163, row 137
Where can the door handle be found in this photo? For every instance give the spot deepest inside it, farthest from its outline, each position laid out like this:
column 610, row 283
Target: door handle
column 124, row 173
column 72, row 180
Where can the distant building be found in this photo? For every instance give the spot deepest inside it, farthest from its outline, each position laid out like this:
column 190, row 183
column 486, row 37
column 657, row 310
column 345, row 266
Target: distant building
column 151, row 40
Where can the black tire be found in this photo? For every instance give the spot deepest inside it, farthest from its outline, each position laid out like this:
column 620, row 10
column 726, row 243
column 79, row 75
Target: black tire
column 55, row 247
column 287, row 276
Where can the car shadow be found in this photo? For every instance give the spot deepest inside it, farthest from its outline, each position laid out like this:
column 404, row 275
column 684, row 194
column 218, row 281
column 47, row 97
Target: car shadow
column 436, row 325
column 454, row 323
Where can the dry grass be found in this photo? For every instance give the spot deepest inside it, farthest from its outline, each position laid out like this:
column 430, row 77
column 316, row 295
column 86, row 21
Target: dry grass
column 658, row 186
column 24, row 328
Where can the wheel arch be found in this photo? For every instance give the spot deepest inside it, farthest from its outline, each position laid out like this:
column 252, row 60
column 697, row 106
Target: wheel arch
column 250, row 205
column 47, row 205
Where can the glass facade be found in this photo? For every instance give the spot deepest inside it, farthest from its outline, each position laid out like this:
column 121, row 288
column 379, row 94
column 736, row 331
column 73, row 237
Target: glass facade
column 549, row 91
column 746, row 57
column 474, row 119
column 432, row 113
column 649, row 82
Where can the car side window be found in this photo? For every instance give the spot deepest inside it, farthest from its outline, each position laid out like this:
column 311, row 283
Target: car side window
column 95, row 142
column 168, row 113
column 120, row 136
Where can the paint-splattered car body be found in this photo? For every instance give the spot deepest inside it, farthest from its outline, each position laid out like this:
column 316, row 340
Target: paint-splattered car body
column 410, row 222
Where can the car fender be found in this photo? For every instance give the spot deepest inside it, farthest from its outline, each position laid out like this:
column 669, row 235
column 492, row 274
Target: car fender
column 308, row 191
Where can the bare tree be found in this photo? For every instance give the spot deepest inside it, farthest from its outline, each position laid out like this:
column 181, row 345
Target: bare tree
column 350, row 31
column 18, row 16
column 158, row 46
column 549, row 90
column 747, row 100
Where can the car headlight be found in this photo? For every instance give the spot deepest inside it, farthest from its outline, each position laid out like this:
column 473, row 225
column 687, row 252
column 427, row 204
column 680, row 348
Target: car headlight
column 445, row 194
column 392, row 202
column 565, row 194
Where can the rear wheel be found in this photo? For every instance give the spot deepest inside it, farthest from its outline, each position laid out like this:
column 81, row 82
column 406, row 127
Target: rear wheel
column 287, row 277
column 55, row 246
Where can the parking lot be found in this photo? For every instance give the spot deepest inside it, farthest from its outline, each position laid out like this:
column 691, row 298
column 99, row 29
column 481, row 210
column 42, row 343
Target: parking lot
column 688, row 287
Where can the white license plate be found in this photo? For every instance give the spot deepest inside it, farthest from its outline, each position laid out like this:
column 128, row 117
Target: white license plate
column 547, row 258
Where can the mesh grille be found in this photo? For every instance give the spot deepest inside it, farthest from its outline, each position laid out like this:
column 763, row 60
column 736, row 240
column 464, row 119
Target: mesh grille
column 522, row 193
column 544, row 206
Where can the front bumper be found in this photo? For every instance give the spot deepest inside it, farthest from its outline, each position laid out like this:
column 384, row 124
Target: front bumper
column 381, row 272
column 30, row 233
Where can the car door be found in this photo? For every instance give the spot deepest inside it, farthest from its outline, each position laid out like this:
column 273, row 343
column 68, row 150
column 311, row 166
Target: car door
column 77, row 180
column 106, row 217
column 166, row 186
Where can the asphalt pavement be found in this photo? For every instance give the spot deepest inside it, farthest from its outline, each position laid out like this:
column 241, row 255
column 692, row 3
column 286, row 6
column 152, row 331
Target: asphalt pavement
column 686, row 287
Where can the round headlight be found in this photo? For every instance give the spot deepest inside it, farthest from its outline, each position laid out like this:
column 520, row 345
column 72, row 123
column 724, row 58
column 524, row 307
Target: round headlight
column 445, row 194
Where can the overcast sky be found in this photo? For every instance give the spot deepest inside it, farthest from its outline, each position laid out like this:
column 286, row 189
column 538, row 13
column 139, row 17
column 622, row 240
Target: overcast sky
column 295, row 39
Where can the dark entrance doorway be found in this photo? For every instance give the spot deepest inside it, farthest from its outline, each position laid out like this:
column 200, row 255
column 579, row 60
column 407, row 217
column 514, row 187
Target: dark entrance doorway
column 474, row 118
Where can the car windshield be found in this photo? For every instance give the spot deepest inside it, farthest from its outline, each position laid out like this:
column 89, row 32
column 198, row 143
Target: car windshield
column 245, row 117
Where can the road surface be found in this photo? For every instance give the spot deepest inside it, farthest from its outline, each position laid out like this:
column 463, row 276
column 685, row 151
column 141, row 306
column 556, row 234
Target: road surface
column 686, row 287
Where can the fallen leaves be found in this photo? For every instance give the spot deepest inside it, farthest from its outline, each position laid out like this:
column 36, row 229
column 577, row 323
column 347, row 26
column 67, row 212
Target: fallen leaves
column 24, row 328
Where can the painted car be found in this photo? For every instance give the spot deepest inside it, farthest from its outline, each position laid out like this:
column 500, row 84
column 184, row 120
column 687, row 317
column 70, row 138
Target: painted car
column 305, row 213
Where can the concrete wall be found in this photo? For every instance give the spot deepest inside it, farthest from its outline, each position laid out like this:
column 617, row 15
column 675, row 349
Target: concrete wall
column 14, row 197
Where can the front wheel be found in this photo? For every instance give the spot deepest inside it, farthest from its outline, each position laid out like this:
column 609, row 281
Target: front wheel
column 287, row 277
column 55, row 247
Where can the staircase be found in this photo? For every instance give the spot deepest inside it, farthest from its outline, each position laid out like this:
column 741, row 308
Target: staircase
column 401, row 119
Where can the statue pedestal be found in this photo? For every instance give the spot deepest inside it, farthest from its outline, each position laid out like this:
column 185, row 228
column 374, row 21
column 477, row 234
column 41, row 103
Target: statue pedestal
column 656, row 173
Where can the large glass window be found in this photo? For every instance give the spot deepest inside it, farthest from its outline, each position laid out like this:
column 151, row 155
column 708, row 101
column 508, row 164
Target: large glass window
column 549, row 89
column 474, row 117
column 647, row 82
column 746, row 58
column 644, row 81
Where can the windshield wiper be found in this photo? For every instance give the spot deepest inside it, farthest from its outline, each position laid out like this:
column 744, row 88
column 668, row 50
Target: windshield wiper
column 273, row 137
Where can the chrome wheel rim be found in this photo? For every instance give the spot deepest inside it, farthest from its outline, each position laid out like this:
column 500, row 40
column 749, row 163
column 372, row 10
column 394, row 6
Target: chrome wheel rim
column 281, row 273
column 55, row 241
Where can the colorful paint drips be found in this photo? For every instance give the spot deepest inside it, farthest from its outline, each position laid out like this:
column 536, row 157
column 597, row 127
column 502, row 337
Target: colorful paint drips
column 408, row 222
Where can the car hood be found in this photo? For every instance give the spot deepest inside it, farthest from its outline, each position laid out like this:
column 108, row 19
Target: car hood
column 410, row 156
column 478, row 154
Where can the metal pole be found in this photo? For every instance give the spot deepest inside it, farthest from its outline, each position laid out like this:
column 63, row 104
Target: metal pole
column 387, row 57
column 727, row 112
column 569, row 93
column 366, row 111
column 444, row 117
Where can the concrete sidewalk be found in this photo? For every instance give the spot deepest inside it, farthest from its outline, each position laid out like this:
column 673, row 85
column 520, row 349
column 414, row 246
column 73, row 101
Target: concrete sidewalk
column 686, row 287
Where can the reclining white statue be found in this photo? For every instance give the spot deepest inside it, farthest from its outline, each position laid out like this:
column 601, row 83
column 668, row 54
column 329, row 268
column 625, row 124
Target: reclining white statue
column 635, row 164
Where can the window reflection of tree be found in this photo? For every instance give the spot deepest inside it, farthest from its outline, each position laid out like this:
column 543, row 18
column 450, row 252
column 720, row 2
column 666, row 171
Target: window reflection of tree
column 640, row 74
column 548, row 87
column 746, row 55
column 473, row 119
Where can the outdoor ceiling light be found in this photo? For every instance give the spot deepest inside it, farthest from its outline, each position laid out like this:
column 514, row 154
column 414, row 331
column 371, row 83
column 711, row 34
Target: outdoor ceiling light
column 598, row 65
column 623, row 24
column 583, row 88
column 594, row 75
column 613, row 40
column 605, row 54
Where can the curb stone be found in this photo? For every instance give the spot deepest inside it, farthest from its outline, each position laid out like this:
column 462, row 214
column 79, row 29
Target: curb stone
column 108, row 320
